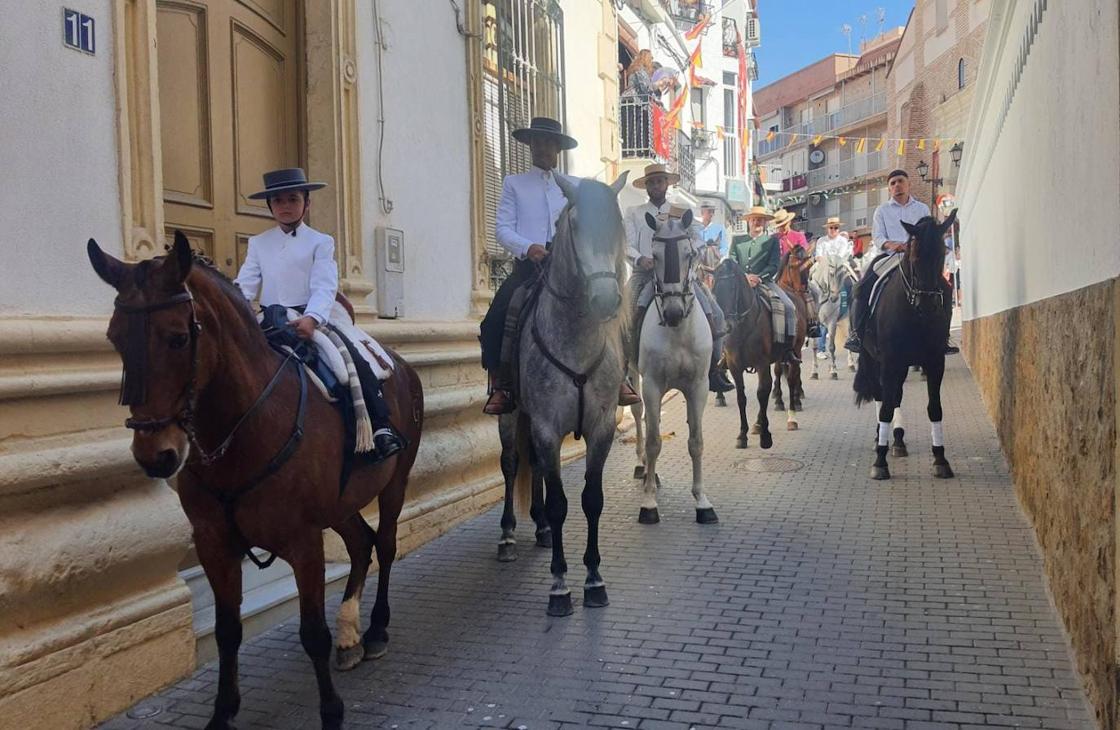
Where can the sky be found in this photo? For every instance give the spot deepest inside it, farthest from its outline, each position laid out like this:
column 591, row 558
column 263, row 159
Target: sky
column 795, row 33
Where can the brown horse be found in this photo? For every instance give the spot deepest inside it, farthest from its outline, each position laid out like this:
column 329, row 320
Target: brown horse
column 793, row 278
column 213, row 403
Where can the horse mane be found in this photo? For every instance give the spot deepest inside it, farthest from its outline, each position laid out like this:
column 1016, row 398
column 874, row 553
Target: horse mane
column 207, row 269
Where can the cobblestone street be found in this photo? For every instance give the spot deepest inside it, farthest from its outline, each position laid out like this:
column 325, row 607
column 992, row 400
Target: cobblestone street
column 820, row 600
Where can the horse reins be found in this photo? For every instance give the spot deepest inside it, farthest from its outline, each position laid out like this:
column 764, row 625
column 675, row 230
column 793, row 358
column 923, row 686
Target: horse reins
column 134, row 393
column 913, row 294
column 578, row 379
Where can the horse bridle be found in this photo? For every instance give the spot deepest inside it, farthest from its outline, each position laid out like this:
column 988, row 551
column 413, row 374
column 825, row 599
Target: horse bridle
column 184, row 418
column 914, row 295
column 543, row 269
column 752, row 301
column 687, row 296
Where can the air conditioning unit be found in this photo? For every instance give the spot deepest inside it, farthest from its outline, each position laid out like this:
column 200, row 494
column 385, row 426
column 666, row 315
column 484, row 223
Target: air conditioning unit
column 754, row 33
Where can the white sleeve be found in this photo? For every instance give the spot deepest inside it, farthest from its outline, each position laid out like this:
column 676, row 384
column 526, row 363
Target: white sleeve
column 632, row 252
column 249, row 277
column 505, row 224
column 324, row 281
column 878, row 229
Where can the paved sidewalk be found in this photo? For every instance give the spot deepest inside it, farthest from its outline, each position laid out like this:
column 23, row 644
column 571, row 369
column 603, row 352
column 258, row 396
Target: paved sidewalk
column 821, row 600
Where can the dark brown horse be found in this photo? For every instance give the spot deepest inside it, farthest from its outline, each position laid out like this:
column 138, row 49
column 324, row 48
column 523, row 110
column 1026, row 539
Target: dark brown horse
column 259, row 456
column 749, row 347
column 793, row 277
column 909, row 328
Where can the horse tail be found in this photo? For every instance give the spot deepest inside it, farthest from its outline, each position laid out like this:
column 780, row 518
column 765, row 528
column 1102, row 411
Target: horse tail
column 867, row 385
column 523, row 479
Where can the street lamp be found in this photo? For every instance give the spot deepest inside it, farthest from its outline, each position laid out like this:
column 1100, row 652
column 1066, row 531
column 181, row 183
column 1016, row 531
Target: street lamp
column 923, row 170
column 956, row 152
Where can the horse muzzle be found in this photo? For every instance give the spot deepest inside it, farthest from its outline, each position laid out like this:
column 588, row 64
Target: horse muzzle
column 604, row 298
column 161, row 454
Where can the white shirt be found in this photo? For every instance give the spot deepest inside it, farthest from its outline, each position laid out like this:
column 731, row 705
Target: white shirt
column 888, row 220
column 296, row 271
column 639, row 236
column 838, row 246
column 527, row 211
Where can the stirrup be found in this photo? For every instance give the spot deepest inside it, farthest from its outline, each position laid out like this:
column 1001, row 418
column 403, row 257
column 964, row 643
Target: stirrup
column 499, row 403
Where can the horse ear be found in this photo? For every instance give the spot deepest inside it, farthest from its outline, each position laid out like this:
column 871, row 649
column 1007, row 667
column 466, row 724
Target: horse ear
column 948, row 222
column 110, row 270
column 178, row 262
column 566, row 187
column 910, row 228
column 620, row 182
column 686, row 219
column 651, row 221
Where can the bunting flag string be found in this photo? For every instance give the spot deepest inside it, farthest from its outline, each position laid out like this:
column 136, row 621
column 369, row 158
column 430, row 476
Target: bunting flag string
column 932, row 144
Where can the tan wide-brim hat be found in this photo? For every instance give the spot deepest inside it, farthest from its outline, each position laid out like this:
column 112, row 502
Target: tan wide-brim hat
column 656, row 169
column 833, row 221
column 759, row 211
column 782, row 217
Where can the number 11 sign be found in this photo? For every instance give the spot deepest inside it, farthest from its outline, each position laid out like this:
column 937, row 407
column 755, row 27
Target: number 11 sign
column 77, row 31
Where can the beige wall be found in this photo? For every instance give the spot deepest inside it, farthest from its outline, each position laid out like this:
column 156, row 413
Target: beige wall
column 1041, row 319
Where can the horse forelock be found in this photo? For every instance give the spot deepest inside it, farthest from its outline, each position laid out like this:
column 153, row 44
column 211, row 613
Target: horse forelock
column 927, row 249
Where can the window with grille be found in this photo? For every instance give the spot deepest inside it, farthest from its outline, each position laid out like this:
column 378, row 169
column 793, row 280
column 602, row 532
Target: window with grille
column 523, row 77
column 730, row 138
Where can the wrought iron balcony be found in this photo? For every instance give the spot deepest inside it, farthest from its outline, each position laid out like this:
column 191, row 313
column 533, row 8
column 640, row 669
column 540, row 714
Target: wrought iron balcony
column 687, row 13
column 645, row 136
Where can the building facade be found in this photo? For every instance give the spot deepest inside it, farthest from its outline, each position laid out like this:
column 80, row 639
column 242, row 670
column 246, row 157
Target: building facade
column 704, row 147
column 931, row 85
column 819, row 141
column 1041, row 306
column 165, row 122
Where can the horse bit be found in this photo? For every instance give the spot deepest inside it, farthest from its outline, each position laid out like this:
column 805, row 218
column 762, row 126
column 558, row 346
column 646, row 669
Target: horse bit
column 914, row 295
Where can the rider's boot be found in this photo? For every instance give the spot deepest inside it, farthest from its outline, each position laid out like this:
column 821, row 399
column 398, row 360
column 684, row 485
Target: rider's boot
column 500, row 401
column 718, row 381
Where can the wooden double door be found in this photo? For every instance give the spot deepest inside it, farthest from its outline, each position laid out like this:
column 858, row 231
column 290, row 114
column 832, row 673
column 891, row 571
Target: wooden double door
column 231, row 104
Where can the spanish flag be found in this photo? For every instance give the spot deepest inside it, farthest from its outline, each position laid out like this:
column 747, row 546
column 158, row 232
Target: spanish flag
column 695, row 31
column 694, row 58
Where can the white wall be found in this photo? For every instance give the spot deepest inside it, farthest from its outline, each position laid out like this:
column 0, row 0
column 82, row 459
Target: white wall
column 585, row 93
column 59, row 157
column 1039, row 194
column 426, row 159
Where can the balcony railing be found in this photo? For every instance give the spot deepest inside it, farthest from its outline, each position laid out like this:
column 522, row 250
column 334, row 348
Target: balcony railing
column 641, row 124
column 850, row 169
column 686, row 13
column 730, row 38
column 843, row 117
column 851, row 220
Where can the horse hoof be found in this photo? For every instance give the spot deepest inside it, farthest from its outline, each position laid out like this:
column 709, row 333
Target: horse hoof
column 544, row 537
column 814, row 376
column 899, row 450
column 766, row 439
column 756, row 429
column 796, row 407
column 790, row 426
column 721, row 402
column 375, row 649
column 833, row 376
column 639, row 472
column 880, row 473
column 507, row 552
column 560, row 604
column 648, row 516
column 706, row 516
column 741, row 442
column 943, row 471
column 595, row 597
column 220, row 724
column 852, row 368
column 347, row 659
column 779, row 405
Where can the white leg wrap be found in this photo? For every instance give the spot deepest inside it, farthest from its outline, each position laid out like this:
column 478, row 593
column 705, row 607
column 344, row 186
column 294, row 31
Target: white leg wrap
column 884, row 432
column 937, row 434
column 898, row 418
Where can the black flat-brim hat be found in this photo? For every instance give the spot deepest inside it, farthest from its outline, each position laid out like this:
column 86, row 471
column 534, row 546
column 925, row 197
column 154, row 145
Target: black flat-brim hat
column 545, row 127
column 282, row 181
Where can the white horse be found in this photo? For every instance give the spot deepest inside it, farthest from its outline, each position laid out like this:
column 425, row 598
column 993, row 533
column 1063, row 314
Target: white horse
column 674, row 351
column 831, row 276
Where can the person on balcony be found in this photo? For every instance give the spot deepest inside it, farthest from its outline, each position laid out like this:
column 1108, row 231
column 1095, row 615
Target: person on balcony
column 639, row 239
column 639, row 76
column 525, row 222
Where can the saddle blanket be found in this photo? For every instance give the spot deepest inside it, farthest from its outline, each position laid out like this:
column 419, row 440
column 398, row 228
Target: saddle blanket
column 883, row 268
column 332, row 351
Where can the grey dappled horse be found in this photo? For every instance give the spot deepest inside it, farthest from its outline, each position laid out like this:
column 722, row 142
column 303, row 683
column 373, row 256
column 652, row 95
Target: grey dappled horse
column 674, row 351
column 571, row 365
column 831, row 276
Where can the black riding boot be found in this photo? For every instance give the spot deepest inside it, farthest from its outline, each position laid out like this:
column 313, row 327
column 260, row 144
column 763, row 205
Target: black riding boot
column 857, row 318
column 718, row 381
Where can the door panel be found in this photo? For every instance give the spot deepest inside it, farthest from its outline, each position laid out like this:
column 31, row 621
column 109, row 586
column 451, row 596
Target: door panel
column 229, row 111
